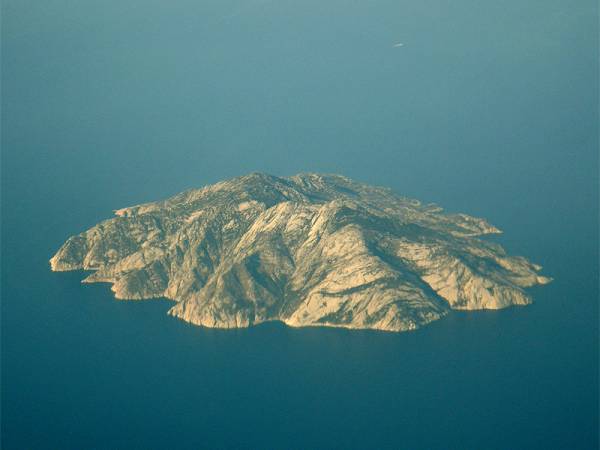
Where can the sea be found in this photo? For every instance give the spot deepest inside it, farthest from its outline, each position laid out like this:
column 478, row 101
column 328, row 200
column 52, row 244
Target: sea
column 487, row 108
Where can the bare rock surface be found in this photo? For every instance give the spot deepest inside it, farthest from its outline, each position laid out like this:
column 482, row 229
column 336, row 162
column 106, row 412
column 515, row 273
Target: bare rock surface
column 307, row 250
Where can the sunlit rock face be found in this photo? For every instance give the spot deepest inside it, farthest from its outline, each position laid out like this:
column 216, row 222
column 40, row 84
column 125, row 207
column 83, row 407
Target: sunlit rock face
column 307, row 250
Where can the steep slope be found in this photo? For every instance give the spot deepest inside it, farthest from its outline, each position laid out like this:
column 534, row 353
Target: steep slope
column 306, row 250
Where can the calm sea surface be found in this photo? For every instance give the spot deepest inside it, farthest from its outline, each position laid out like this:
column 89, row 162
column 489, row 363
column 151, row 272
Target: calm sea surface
column 487, row 109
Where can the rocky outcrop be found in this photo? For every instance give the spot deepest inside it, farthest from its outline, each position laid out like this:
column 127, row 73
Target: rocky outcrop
column 308, row 250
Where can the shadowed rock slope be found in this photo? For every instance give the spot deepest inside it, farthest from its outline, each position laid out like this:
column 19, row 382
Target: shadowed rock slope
column 306, row 250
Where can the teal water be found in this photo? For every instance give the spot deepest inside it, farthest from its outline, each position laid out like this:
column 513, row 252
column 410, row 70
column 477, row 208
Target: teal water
column 487, row 109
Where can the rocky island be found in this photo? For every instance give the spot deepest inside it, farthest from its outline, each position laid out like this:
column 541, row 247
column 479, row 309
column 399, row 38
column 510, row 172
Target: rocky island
column 306, row 250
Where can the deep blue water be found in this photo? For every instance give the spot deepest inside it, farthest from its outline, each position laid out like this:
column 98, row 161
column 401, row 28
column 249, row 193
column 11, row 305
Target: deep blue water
column 488, row 109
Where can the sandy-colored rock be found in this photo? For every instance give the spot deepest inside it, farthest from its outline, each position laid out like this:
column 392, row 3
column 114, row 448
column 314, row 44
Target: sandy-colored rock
column 307, row 250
